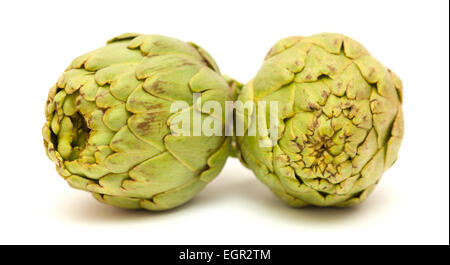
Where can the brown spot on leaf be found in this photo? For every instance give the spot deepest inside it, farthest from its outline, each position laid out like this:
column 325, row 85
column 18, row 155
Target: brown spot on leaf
column 185, row 63
column 312, row 106
column 151, row 120
column 157, row 86
column 143, row 126
column 153, row 106
column 115, row 142
column 347, row 133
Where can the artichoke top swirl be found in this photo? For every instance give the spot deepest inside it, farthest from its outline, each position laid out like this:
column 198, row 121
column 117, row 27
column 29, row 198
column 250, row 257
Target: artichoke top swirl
column 340, row 122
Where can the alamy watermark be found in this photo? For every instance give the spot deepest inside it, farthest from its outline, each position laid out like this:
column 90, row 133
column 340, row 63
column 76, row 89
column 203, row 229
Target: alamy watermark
column 250, row 117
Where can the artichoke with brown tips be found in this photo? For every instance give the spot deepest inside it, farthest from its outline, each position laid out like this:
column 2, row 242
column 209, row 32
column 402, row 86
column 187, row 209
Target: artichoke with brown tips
column 108, row 122
column 340, row 121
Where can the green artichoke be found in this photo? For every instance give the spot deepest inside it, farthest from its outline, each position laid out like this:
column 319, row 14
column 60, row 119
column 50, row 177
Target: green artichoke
column 108, row 122
column 339, row 121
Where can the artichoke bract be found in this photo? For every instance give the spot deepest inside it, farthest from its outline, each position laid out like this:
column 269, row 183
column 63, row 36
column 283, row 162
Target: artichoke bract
column 339, row 121
column 108, row 122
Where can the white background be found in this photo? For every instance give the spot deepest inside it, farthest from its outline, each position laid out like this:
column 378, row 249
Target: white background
column 39, row 39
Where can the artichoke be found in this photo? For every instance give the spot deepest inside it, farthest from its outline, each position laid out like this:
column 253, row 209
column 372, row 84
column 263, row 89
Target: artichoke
column 339, row 121
column 108, row 122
